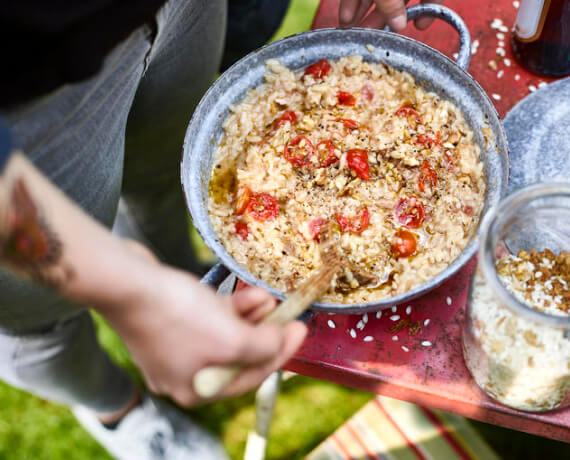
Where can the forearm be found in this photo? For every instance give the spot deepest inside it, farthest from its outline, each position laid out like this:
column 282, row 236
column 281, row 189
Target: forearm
column 172, row 325
column 47, row 238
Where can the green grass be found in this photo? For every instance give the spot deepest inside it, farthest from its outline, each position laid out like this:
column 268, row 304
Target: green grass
column 299, row 18
column 294, row 432
column 34, row 429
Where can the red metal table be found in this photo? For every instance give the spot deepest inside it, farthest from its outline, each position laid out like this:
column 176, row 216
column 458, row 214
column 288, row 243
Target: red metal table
column 425, row 365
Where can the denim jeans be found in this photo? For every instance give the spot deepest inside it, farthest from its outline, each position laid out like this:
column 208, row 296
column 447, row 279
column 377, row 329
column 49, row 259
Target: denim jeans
column 118, row 133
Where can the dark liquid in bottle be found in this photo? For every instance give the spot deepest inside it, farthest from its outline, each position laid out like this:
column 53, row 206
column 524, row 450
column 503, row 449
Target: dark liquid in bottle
column 549, row 54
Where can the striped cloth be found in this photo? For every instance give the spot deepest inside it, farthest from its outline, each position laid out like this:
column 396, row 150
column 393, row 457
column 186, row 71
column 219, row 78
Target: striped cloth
column 388, row 429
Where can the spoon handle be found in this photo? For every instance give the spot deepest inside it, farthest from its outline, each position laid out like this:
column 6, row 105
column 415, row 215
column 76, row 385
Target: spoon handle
column 211, row 380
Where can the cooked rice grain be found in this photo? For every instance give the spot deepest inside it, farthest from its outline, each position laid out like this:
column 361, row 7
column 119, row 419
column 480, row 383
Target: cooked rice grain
column 281, row 250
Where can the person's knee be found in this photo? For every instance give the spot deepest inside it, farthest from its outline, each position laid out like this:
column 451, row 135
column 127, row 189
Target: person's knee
column 66, row 364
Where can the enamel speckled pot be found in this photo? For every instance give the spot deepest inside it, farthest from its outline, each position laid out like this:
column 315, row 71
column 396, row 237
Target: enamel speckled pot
column 431, row 69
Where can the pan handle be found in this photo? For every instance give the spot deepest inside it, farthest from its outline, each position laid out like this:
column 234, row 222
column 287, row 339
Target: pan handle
column 216, row 275
column 219, row 272
column 453, row 19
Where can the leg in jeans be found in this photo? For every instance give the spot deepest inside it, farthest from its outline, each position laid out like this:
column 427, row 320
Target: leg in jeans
column 183, row 62
column 65, row 364
column 76, row 136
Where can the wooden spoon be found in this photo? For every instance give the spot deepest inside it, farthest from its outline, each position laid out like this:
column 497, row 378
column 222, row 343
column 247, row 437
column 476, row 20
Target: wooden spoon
column 211, row 380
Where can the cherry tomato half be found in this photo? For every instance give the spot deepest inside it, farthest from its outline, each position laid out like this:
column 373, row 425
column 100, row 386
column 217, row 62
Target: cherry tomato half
column 242, row 230
column 356, row 224
column 319, row 69
column 262, row 207
column 287, row 116
column 407, row 111
column 325, row 154
column 348, row 123
column 428, row 178
column 298, row 150
column 316, row 226
column 468, row 210
column 357, row 160
column 243, row 196
column 345, row 98
column 367, row 92
column 404, row 244
column 410, row 212
column 430, row 141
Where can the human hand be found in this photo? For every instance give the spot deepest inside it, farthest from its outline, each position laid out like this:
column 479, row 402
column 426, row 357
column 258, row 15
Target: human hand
column 352, row 13
column 176, row 327
column 172, row 325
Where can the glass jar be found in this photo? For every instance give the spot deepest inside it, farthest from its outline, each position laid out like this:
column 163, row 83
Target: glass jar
column 516, row 344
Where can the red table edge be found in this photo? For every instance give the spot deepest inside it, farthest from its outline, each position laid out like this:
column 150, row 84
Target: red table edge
column 468, row 409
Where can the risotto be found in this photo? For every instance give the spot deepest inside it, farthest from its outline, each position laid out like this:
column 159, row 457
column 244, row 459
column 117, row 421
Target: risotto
column 393, row 169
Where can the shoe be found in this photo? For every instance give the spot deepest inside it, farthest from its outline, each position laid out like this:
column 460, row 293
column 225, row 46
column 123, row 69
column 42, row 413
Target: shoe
column 153, row 430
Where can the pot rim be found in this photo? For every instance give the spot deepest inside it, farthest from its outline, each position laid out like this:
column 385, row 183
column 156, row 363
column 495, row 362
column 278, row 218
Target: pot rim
column 212, row 241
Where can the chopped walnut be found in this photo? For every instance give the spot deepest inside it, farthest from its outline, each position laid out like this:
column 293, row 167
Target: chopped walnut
column 402, row 324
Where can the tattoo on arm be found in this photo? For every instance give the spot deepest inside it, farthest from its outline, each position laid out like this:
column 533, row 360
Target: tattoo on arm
column 27, row 243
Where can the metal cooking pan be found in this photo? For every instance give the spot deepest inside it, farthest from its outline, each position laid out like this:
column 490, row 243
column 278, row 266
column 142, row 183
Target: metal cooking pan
column 431, row 69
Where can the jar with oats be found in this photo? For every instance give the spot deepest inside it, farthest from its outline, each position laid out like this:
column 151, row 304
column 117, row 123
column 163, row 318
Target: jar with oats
column 516, row 337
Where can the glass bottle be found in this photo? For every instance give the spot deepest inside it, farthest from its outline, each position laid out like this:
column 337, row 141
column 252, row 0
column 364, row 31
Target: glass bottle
column 541, row 38
column 518, row 353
